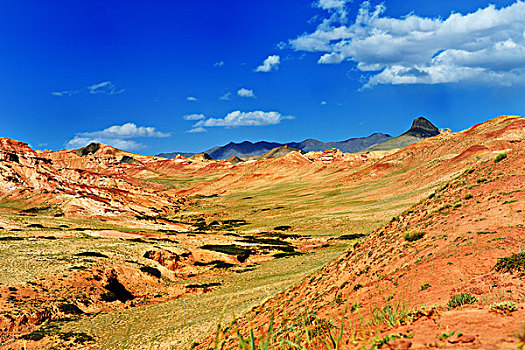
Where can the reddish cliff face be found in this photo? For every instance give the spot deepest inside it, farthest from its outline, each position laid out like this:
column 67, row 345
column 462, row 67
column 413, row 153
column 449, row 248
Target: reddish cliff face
column 80, row 185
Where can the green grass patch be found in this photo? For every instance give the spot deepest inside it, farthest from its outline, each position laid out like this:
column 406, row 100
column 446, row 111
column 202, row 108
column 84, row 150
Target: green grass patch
column 460, row 300
column 500, row 157
column 414, row 236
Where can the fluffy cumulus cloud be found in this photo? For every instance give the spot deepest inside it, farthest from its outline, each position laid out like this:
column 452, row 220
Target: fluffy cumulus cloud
column 238, row 118
column 485, row 47
column 104, row 88
column 245, row 93
column 269, row 64
column 191, row 99
column 119, row 136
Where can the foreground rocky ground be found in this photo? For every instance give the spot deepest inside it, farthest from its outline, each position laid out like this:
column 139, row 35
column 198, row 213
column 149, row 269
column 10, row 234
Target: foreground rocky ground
column 98, row 236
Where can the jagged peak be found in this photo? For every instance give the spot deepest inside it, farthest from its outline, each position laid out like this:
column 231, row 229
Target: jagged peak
column 422, row 128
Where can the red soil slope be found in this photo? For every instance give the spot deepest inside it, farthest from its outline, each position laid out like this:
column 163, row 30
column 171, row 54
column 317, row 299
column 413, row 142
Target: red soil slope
column 389, row 284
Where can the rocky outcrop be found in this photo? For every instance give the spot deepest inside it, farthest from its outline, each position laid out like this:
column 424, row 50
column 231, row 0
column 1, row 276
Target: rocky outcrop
column 422, row 128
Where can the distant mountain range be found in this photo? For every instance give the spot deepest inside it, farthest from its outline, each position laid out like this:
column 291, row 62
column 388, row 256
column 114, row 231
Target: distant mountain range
column 421, row 128
column 253, row 149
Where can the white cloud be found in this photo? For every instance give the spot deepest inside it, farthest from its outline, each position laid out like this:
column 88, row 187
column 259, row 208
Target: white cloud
column 245, row 93
column 337, row 7
column 191, row 98
column 486, row 46
column 226, row 96
column 238, row 118
column 331, row 4
column 117, row 135
column 269, row 64
column 125, row 131
column 130, row 145
column 196, row 130
column 194, row 117
column 104, row 88
column 218, row 64
column 323, row 103
column 64, row 93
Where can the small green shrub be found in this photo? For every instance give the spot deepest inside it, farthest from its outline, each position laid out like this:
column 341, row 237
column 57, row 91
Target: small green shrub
column 414, row 236
column 500, row 157
column 460, row 300
column 505, row 306
column 425, row 286
column 445, row 335
column 445, row 206
column 379, row 342
column 511, row 264
column 355, row 307
column 443, row 187
column 468, row 196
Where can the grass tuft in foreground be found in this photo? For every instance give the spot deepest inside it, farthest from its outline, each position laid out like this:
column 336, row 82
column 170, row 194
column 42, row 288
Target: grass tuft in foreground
column 460, row 300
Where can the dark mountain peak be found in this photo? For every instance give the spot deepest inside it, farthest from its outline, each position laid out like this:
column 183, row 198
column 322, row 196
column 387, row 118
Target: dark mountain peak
column 422, row 128
column 89, row 149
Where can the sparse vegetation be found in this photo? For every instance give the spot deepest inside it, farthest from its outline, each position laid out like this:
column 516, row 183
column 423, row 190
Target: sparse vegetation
column 500, row 157
column 504, row 306
column 351, row 236
column 390, row 315
column 445, row 335
column 378, row 343
column 460, row 300
column 511, row 264
column 414, row 236
column 425, row 286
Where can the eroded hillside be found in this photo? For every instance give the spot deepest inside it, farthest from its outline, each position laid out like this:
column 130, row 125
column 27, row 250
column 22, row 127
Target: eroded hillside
column 98, row 236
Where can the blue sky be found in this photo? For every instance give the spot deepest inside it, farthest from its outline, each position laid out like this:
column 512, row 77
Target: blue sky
column 160, row 76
